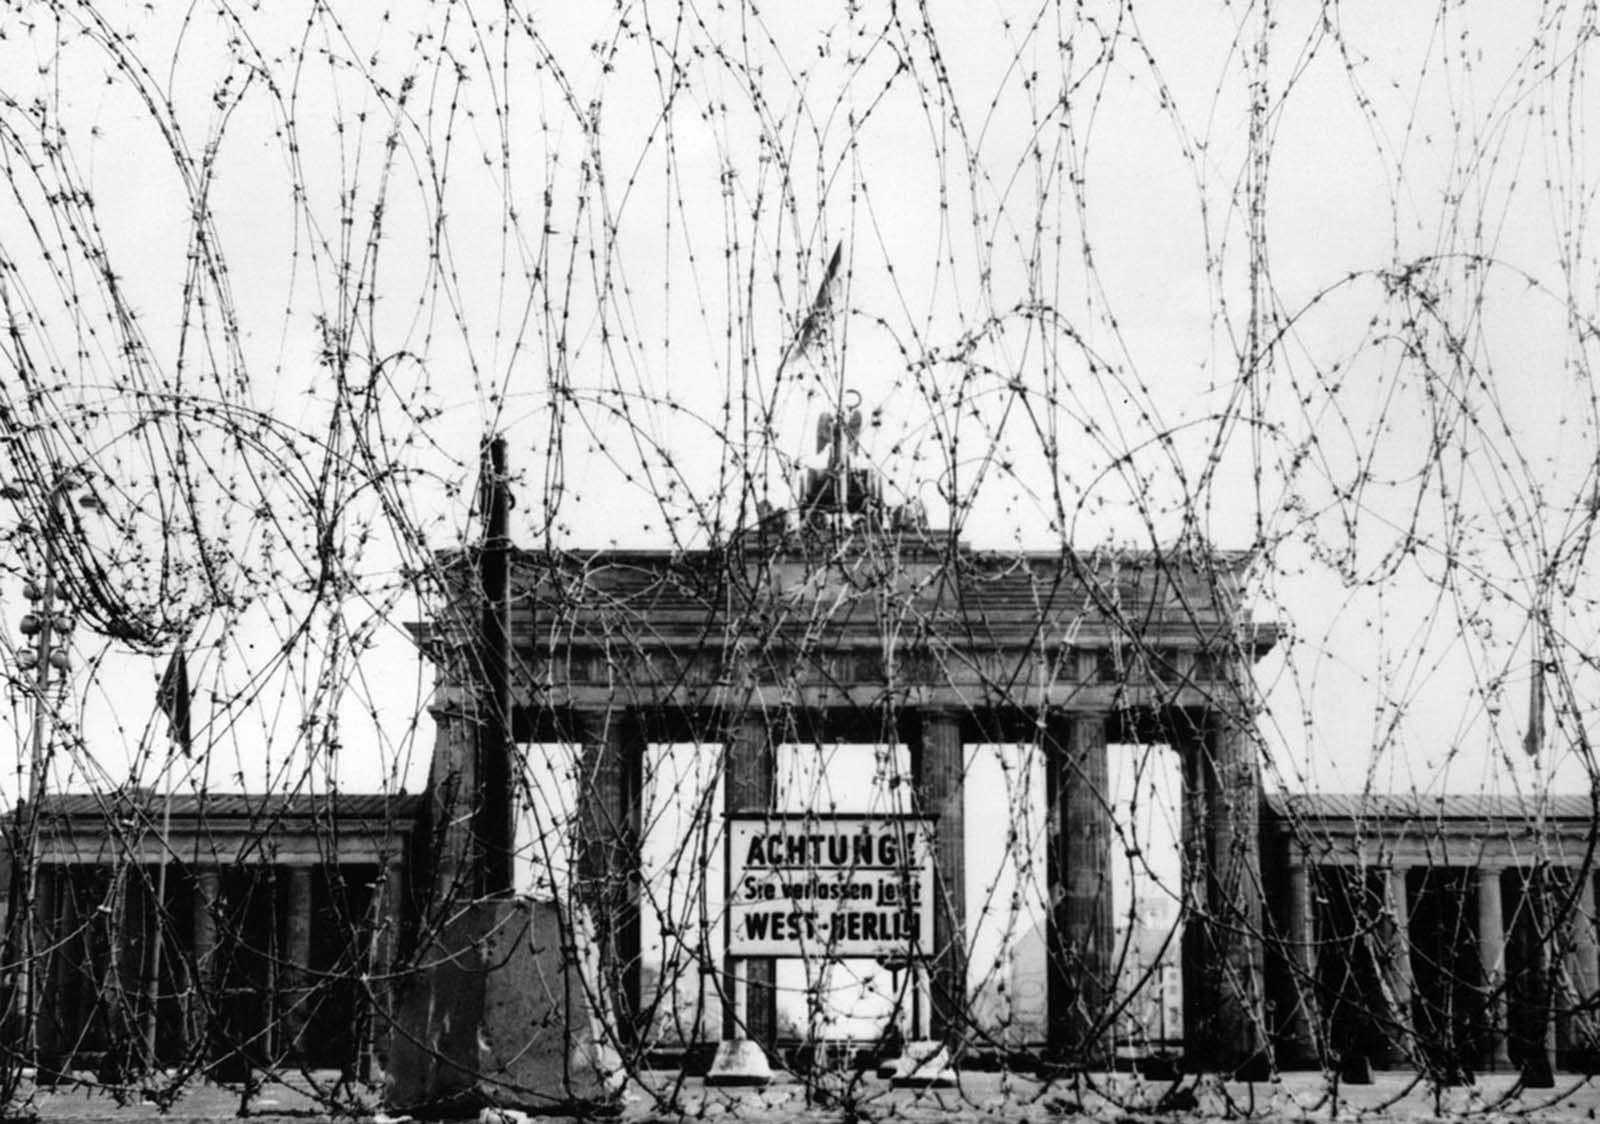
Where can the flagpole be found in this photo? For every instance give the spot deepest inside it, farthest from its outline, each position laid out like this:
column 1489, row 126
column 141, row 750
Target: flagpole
column 494, row 817
column 173, row 698
column 153, row 982
column 812, row 332
column 841, row 424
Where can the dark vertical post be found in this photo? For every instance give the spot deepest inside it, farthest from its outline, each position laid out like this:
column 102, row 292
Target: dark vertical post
column 1081, row 928
column 939, row 773
column 493, row 814
column 750, row 785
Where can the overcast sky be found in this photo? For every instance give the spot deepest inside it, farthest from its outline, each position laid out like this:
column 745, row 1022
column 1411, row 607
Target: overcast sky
column 343, row 245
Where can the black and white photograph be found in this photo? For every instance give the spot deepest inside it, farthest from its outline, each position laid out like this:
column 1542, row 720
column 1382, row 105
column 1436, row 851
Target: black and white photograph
column 846, row 561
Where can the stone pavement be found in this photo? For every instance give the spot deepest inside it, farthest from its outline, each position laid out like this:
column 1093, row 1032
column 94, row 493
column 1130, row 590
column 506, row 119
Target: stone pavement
column 1120, row 1098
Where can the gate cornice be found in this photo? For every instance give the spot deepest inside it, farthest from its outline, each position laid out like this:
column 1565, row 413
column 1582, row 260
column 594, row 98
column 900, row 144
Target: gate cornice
column 868, row 620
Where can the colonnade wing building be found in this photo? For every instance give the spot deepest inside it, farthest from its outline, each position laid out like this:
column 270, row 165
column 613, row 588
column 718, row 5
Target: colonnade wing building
column 877, row 633
column 230, row 930
column 1444, row 933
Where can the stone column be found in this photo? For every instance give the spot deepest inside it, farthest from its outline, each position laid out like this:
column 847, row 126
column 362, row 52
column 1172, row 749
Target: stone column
column 1224, row 1016
column 1301, row 940
column 1491, row 957
column 10, row 985
column 1582, row 966
column 121, row 990
column 1079, row 954
column 387, row 917
column 297, row 954
column 71, row 994
column 207, row 898
column 750, row 784
column 1537, row 1061
column 609, row 796
column 939, row 769
column 43, row 997
column 1233, row 821
column 1197, row 969
column 156, row 968
column 1223, row 935
column 452, row 782
column 179, row 969
column 1394, row 965
column 383, row 948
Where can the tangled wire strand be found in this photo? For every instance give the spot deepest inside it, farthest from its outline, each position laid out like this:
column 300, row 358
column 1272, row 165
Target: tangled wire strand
column 1291, row 310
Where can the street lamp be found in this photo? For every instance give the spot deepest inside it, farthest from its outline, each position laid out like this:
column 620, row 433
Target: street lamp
column 46, row 652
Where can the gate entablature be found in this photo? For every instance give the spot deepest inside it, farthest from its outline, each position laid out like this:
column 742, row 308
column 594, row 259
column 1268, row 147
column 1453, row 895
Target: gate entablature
column 886, row 618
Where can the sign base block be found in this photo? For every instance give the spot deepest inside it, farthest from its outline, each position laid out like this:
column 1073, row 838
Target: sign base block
column 924, row 1065
column 496, row 1016
column 739, row 1062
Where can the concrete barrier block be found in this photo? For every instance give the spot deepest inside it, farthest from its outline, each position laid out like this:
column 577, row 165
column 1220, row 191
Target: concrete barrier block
column 496, row 1015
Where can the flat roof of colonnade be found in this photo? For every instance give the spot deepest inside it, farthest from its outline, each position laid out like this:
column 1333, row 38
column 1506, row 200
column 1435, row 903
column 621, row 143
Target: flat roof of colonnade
column 143, row 826
column 1421, row 807
column 1448, row 829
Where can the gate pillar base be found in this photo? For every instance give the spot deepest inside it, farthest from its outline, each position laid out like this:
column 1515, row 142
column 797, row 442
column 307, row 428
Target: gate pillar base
column 924, row 1065
column 739, row 1062
column 1253, row 1067
column 1058, row 1064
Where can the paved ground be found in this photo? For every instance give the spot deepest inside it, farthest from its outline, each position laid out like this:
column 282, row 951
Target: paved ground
column 1122, row 1099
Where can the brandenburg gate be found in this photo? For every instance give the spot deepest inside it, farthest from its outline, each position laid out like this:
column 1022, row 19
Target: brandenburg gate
column 851, row 620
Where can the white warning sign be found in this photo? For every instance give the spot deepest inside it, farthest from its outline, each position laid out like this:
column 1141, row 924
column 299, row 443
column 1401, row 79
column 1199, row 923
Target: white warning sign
column 833, row 886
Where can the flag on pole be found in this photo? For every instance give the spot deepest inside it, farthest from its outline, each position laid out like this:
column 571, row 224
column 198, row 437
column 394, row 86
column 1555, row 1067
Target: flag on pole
column 819, row 317
column 1533, row 740
column 173, row 698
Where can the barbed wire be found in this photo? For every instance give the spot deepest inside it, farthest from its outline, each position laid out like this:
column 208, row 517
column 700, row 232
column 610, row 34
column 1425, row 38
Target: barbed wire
column 1267, row 329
